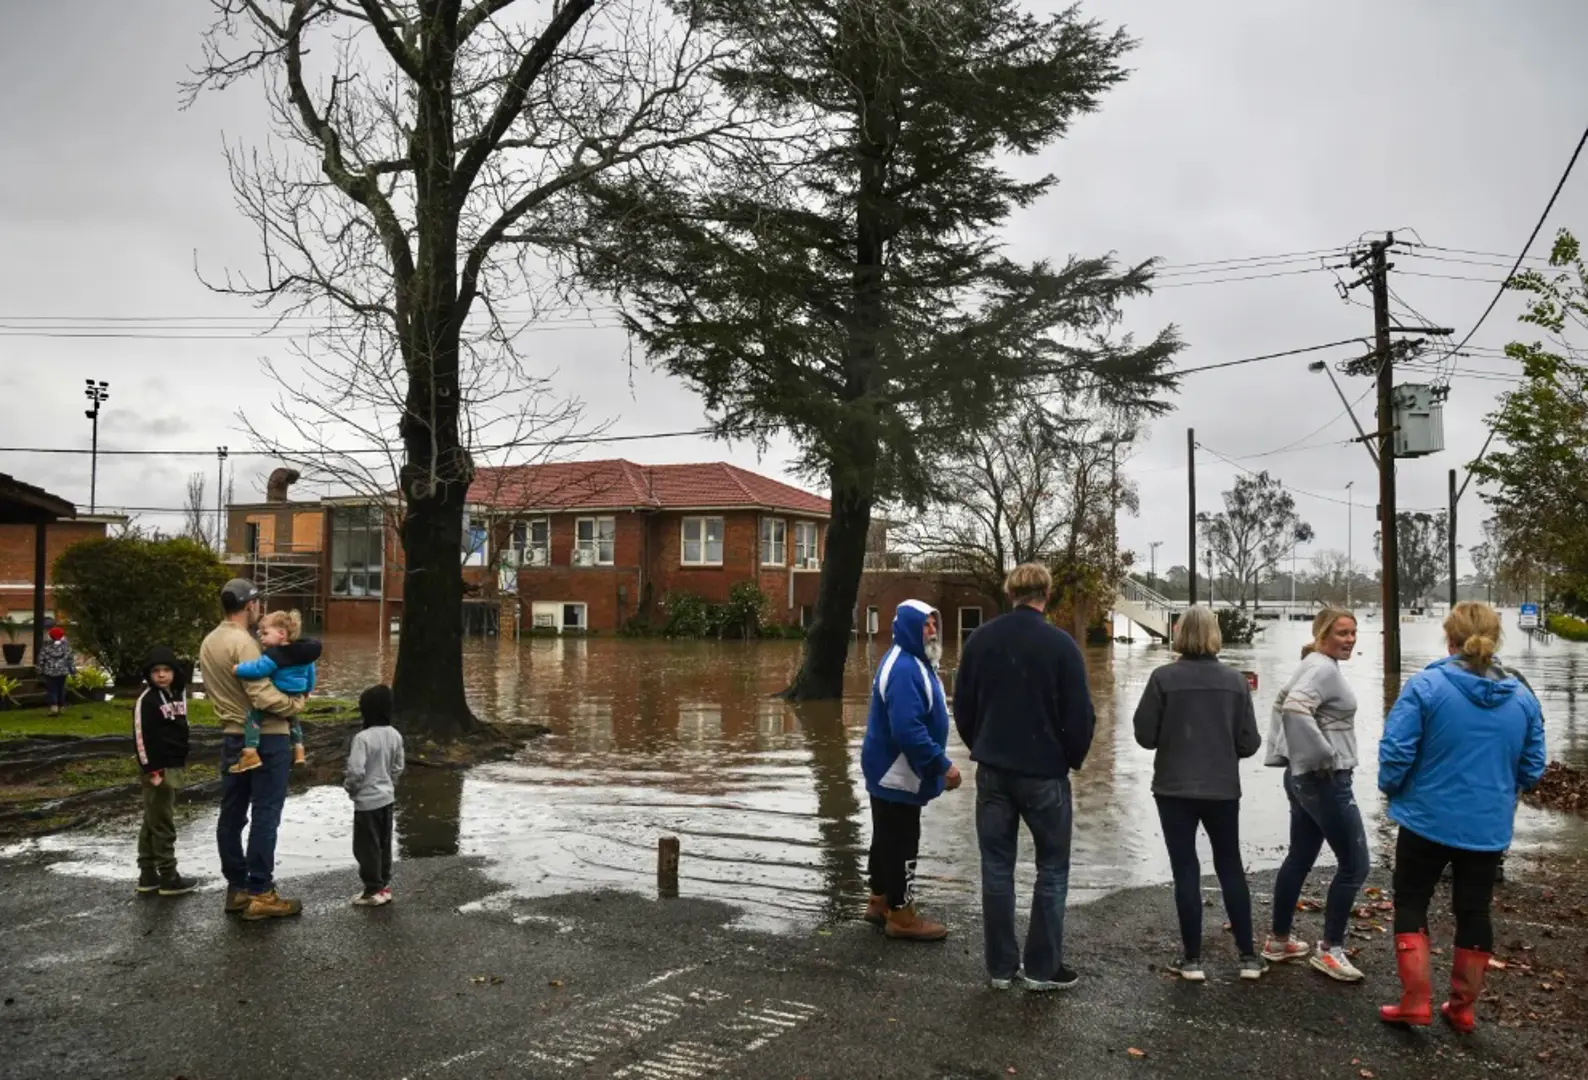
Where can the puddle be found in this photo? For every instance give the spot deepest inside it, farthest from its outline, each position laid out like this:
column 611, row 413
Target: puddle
column 682, row 739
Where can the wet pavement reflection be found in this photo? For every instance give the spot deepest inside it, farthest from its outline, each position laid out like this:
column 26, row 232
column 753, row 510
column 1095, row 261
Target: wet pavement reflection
column 654, row 738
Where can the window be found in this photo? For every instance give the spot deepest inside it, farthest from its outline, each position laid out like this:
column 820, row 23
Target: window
column 969, row 620
column 872, row 621
column 774, row 542
column 703, row 541
column 595, row 541
column 560, row 616
column 574, row 617
column 473, row 543
column 530, row 542
column 357, row 558
column 805, row 556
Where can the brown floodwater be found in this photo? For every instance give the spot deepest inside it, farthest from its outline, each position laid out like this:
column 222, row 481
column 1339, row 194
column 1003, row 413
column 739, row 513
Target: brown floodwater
column 652, row 738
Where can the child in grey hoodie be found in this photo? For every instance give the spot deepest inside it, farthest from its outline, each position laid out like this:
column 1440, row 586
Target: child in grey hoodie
column 373, row 764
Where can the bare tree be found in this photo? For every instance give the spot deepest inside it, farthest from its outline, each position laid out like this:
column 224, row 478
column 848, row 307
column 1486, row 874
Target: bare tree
column 196, row 516
column 1257, row 527
column 423, row 149
column 1331, row 571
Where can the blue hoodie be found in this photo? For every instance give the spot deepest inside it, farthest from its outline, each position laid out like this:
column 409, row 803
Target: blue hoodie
column 1457, row 748
column 907, row 729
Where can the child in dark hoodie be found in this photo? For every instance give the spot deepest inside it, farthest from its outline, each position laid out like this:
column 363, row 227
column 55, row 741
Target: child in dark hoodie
column 374, row 762
column 160, row 737
column 288, row 662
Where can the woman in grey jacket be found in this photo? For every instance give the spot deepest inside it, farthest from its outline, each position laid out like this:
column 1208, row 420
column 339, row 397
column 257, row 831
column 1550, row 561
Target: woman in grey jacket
column 1197, row 714
column 1312, row 736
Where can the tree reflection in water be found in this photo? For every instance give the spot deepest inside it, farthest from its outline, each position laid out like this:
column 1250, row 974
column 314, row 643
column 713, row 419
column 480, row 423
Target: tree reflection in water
column 837, row 807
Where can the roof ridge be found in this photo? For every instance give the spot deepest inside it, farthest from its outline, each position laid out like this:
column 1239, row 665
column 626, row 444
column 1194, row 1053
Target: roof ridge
column 733, row 472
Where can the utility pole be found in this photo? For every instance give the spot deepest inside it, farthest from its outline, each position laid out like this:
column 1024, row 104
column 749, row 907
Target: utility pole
column 1152, row 554
column 98, row 393
column 1452, row 532
column 220, row 499
column 1350, row 538
column 1191, row 519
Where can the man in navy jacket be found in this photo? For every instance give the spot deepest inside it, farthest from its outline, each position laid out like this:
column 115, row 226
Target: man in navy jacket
column 903, row 759
column 1023, row 707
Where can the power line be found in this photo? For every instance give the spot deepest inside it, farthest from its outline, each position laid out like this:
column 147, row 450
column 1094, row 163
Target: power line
column 1300, row 491
column 1247, row 277
column 1270, row 356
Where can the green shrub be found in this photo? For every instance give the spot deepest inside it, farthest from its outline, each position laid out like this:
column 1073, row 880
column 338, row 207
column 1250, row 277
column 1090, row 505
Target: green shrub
column 90, row 683
column 690, row 615
column 1235, row 626
column 8, row 689
column 1567, row 626
column 747, row 611
column 124, row 595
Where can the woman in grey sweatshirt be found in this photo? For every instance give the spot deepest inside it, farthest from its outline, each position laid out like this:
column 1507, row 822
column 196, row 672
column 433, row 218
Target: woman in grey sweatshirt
column 374, row 762
column 1312, row 736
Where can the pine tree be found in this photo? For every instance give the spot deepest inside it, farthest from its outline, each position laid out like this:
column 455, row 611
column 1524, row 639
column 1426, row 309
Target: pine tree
column 841, row 277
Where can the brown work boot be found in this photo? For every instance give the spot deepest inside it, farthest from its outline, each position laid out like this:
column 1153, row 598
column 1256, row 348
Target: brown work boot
column 271, row 905
column 877, row 910
column 236, row 901
column 248, row 759
column 905, row 924
column 298, row 756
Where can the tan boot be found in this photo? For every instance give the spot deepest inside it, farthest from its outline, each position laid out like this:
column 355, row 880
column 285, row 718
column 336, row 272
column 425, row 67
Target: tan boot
column 248, row 759
column 236, row 901
column 906, row 925
column 877, row 910
column 271, row 905
column 298, row 756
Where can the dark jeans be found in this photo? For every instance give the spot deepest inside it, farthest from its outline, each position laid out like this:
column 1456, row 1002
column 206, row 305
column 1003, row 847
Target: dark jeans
column 1003, row 801
column 372, row 846
column 1222, row 820
column 1419, row 863
column 895, row 845
column 258, row 793
column 54, row 689
column 157, row 835
column 1322, row 810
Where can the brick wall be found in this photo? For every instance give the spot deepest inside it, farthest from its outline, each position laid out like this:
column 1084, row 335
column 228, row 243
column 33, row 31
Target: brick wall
column 16, row 561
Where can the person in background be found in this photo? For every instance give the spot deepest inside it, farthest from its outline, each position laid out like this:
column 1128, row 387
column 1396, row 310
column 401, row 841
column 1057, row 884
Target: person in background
column 373, row 764
column 906, row 766
column 258, row 794
column 1197, row 714
column 1463, row 739
column 288, row 662
column 1312, row 736
column 1023, row 707
column 160, row 737
column 53, row 664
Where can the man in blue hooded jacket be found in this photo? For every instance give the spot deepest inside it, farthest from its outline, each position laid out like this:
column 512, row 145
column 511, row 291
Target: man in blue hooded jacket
column 905, row 766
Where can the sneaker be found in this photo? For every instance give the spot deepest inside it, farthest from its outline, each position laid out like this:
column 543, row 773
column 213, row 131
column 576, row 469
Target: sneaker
column 271, row 905
column 1063, row 980
column 367, row 898
column 1335, row 964
column 1189, row 970
column 248, row 759
column 385, row 896
column 298, row 756
column 1006, row 983
column 1278, row 951
column 174, row 884
column 1253, row 967
column 236, row 901
column 148, row 882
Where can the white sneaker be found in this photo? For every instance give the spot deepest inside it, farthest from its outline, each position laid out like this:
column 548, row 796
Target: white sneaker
column 367, row 899
column 1335, row 964
column 1278, row 952
column 382, row 898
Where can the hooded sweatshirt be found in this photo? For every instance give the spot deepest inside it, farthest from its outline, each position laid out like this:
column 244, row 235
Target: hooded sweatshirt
column 375, row 759
column 1457, row 748
column 55, row 658
column 159, row 719
column 902, row 755
column 289, row 667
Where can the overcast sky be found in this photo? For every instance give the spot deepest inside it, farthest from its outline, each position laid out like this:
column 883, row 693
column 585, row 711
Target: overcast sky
column 1249, row 128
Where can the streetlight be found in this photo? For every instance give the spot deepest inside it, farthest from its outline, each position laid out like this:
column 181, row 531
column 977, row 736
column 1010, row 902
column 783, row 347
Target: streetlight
column 1152, row 549
column 98, row 393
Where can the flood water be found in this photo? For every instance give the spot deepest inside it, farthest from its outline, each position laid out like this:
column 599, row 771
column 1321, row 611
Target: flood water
column 661, row 738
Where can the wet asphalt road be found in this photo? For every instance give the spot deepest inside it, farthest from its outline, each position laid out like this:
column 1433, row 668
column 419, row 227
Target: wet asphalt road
column 100, row 983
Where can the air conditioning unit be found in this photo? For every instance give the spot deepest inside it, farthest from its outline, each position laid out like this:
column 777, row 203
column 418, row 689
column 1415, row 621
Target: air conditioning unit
column 584, row 557
column 810, row 564
column 538, row 556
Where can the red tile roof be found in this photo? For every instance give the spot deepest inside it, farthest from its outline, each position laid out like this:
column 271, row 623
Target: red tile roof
column 623, row 485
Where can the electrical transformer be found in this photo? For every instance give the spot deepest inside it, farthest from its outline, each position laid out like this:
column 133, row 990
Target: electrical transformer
column 1419, row 420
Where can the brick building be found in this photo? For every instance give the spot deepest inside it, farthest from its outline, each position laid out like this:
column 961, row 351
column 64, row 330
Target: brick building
column 17, row 557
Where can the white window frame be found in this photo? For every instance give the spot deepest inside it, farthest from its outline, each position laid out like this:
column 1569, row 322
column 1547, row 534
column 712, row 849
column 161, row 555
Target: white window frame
column 588, row 552
column 873, row 621
column 703, row 541
column 584, row 617
column 774, row 536
column 806, row 554
column 981, row 618
column 533, row 553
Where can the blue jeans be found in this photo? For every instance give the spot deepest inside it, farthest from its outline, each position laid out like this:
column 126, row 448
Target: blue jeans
column 1003, row 800
column 259, row 793
column 54, row 690
column 1322, row 809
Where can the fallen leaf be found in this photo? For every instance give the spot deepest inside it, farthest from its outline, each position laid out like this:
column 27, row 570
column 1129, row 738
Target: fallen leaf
column 1366, row 1074
column 1135, row 1053
column 555, row 984
column 1496, row 964
column 1010, row 1070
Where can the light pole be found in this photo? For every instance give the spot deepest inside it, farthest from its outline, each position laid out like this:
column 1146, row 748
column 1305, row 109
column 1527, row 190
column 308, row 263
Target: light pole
column 1152, row 550
column 98, row 393
column 220, row 499
column 1350, row 537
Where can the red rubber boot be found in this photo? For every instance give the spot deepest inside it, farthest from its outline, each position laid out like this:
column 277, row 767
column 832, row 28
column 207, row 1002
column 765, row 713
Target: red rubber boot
column 1466, row 984
column 1412, row 961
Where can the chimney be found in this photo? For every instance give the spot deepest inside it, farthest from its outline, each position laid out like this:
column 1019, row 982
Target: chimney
column 276, row 487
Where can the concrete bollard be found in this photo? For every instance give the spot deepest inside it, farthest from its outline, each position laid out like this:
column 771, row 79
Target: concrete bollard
column 667, row 866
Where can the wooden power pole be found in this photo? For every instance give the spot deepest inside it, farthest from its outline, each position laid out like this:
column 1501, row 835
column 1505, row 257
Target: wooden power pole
column 1191, row 517
column 1388, row 517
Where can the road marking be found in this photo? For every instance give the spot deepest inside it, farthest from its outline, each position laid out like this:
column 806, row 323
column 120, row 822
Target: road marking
column 749, row 1030
column 584, row 1043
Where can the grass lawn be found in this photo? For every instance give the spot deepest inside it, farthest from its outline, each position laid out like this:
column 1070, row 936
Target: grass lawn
column 86, row 719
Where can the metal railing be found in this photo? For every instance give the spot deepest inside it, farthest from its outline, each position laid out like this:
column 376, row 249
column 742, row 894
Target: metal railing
column 1137, row 593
